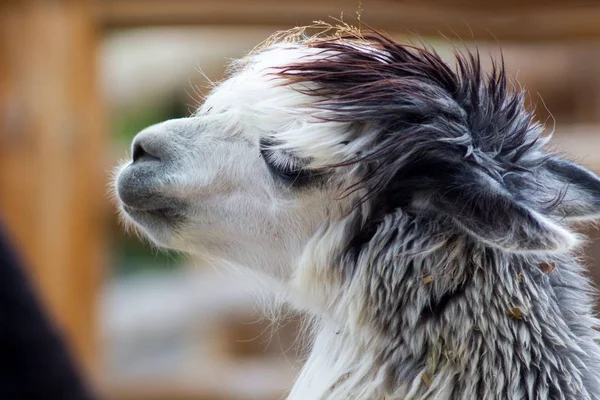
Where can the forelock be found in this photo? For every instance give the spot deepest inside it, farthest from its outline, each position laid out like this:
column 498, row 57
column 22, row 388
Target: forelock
column 410, row 97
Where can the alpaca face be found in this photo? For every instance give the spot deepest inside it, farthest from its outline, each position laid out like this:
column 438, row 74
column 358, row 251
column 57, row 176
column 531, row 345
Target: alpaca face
column 338, row 133
column 216, row 185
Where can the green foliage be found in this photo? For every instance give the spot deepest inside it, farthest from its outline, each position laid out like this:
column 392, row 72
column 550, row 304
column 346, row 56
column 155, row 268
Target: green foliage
column 131, row 256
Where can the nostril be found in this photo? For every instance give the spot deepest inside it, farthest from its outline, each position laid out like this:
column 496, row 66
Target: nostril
column 140, row 154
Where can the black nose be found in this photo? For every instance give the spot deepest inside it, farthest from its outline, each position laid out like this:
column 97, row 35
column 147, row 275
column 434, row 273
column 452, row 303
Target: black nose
column 142, row 154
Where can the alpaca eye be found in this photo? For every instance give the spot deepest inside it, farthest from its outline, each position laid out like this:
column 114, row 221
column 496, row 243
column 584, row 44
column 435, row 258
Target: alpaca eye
column 285, row 166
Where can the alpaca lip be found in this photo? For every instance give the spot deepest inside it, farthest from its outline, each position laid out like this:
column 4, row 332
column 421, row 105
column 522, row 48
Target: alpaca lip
column 170, row 213
column 139, row 188
column 142, row 199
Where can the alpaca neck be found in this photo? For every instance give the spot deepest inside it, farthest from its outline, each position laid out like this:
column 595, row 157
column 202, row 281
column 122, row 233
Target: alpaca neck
column 502, row 328
column 342, row 366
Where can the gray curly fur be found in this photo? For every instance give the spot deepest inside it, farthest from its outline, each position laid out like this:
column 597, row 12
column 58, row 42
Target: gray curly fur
column 493, row 325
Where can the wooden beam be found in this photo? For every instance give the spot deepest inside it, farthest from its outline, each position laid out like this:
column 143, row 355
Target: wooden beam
column 512, row 21
column 52, row 165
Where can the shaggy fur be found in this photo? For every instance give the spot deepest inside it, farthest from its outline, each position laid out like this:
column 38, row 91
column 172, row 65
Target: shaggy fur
column 410, row 207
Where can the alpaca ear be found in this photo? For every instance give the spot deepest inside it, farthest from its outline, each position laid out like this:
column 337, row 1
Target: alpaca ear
column 485, row 210
column 580, row 188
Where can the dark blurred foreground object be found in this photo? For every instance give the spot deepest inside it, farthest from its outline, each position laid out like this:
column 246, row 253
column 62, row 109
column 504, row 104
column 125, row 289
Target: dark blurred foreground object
column 34, row 360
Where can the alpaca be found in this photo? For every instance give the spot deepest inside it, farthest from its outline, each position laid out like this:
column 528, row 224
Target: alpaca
column 410, row 207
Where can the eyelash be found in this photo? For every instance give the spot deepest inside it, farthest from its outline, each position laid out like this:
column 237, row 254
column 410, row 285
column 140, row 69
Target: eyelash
column 286, row 167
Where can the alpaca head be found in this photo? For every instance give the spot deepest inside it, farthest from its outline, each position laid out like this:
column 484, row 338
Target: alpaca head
column 323, row 138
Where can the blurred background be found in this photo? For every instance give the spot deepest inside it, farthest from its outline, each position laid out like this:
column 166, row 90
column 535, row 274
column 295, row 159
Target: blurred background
column 78, row 79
